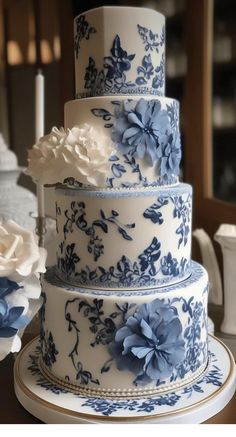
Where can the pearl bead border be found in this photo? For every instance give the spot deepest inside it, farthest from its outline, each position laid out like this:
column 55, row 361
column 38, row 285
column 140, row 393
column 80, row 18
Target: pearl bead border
column 132, row 393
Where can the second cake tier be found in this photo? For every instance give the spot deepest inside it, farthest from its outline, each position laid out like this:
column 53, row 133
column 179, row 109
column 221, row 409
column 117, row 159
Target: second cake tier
column 124, row 238
column 142, row 132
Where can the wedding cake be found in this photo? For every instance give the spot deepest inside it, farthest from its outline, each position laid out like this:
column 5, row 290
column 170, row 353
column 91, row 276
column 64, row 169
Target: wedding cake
column 125, row 308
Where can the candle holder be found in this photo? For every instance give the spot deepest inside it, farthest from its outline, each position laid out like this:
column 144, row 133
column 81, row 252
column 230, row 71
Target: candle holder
column 41, row 230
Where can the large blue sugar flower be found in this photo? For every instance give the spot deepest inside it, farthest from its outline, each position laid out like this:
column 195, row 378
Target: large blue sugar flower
column 150, row 343
column 169, row 153
column 137, row 129
column 11, row 318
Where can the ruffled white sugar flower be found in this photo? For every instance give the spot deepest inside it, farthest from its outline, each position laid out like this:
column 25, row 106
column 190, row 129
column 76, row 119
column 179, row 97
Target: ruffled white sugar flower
column 20, row 256
column 86, row 156
column 45, row 155
column 81, row 153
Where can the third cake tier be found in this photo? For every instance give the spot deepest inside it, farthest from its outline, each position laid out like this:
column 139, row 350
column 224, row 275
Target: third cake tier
column 124, row 238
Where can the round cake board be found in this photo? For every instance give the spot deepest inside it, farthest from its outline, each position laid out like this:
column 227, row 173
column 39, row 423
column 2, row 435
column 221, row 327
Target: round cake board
column 190, row 404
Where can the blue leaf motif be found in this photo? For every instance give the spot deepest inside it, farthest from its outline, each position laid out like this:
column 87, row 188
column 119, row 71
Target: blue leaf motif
column 147, row 68
column 118, row 170
column 83, row 30
column 99, row 112
column 154, row 216
column 114, row 213
column 124, row 234
column 113, row 158
column 156, row 82
column 116, row 102
column 116, row 50
column 101, row 224
column 140, row 81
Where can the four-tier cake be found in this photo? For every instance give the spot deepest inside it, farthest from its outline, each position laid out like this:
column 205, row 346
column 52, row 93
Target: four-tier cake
column 125, row 308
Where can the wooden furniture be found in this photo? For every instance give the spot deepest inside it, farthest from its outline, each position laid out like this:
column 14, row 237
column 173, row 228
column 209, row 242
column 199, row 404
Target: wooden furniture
column 209, row 212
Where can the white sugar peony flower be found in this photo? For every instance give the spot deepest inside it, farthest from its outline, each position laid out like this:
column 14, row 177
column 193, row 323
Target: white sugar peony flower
column 45, row 155
column 80, row 153
column 20, row 256
column 86, row 156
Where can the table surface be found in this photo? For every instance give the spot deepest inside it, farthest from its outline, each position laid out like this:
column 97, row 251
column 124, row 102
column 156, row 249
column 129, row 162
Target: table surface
column 11, row 411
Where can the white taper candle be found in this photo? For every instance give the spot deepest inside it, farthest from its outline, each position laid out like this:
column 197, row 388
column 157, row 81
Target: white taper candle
column 39, row 131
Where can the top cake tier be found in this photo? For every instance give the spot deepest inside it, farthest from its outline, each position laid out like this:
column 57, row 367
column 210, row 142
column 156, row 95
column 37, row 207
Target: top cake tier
column 119, row 50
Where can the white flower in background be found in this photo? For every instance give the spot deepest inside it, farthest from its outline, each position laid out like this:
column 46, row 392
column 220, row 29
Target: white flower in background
column 80, row 153
column 20, row 256
column 21, row 261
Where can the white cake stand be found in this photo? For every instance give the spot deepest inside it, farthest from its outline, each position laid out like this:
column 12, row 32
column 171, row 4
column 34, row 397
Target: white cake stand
column 193, row 403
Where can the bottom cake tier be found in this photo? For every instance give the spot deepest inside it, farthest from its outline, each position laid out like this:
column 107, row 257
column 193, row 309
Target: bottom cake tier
column 124, row 343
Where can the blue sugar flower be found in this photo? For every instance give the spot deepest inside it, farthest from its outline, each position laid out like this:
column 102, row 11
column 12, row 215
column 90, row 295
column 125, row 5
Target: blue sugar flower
column 150, row 343
column 11, row 318
column 169, row 153
column 136, row 130
column 169, row 265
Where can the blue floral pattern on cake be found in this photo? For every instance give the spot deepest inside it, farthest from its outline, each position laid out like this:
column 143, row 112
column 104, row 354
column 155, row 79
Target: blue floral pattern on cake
column 153, row 212
column 125, row 274
column 82, row 376
column 151, row 40
column 76, row 216
column 169, row 265
column 83, row 31
column 152, row 43
column 196, row 274
column 181, row 211
column 66, row 264
column 150, row 344
column 47, row 344
column 112, row 78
